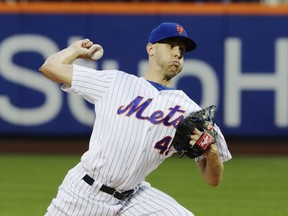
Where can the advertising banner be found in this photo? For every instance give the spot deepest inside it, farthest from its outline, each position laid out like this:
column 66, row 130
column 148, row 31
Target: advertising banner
column 240, row 65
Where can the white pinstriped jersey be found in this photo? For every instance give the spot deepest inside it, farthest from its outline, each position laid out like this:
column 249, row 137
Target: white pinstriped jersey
column 134, row 126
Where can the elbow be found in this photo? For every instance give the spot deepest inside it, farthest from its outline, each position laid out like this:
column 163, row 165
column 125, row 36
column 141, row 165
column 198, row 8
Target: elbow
column 42, row 70
column 46, row 70
column 57, row 72
column 214, row 182
column 213, row 179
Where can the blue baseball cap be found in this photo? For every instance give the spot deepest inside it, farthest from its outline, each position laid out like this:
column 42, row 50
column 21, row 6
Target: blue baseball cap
column 171, row 30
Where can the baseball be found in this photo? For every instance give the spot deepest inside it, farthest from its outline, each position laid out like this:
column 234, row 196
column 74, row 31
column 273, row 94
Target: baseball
column 98, row 53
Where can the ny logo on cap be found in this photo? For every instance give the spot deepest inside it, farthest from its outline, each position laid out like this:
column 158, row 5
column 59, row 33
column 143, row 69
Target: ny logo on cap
column 180, row 29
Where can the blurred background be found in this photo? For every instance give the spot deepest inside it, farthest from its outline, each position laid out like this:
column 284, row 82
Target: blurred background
column 240, row 65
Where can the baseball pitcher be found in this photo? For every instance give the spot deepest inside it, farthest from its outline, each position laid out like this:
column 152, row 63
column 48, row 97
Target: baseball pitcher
column 140, row 122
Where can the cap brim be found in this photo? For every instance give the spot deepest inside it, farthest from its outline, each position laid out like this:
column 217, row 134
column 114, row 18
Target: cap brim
column 190, row 44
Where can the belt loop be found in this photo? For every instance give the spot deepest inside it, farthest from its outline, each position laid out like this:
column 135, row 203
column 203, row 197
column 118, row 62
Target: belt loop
column 88, row 180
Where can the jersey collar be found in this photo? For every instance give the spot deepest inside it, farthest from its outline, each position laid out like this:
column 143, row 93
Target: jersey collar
column 160, row 87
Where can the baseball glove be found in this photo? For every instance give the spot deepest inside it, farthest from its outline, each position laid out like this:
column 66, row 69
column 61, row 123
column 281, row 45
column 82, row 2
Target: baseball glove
column 204, row 121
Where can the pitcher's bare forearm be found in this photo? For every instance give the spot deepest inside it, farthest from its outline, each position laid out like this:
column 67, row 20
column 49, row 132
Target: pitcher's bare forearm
column 211, row 167
column 58, row 66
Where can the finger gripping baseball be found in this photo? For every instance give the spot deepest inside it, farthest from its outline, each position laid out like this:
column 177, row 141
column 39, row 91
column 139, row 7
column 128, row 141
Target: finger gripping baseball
column 204, row 121
column 95, row 52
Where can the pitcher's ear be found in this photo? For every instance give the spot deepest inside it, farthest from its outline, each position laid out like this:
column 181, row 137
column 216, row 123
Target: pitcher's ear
column 150, row 49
